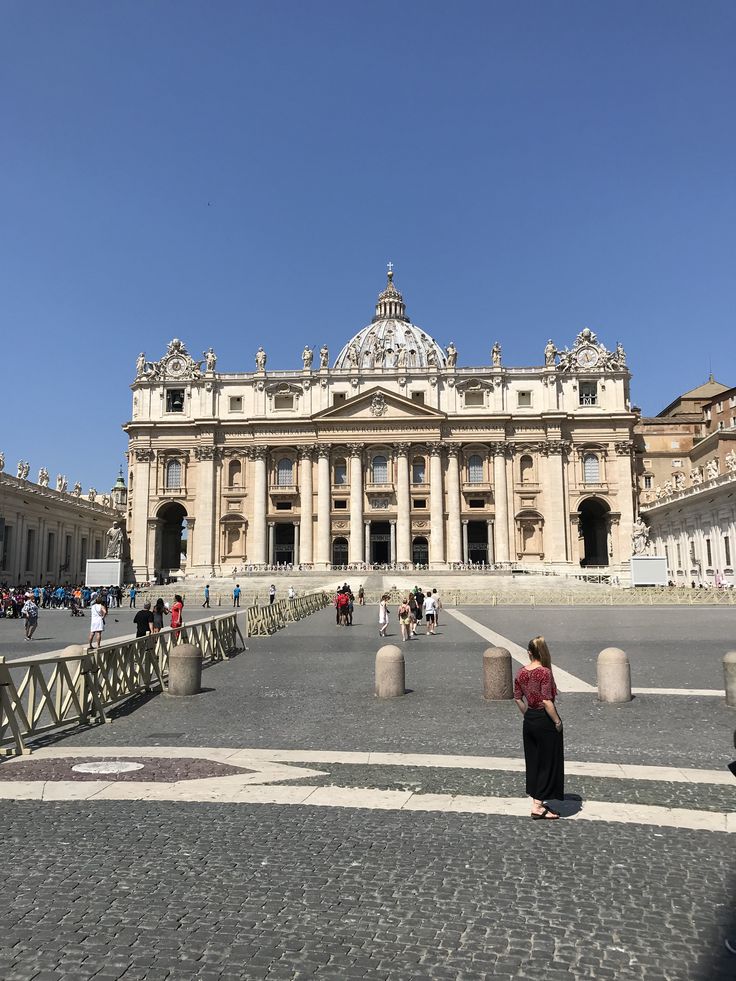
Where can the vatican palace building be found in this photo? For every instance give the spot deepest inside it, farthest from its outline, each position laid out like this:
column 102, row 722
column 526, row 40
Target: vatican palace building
column 394, row 454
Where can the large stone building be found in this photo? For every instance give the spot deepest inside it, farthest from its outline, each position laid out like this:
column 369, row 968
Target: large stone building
column 48, row 533
column 394, row 454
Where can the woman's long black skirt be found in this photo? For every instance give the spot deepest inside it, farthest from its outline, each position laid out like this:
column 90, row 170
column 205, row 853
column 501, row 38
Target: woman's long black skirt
column 545, row 757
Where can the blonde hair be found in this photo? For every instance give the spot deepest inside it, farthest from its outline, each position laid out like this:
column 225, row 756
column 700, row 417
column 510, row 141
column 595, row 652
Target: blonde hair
column 538, row 649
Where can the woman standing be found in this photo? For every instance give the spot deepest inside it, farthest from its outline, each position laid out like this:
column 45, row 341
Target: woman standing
column 535, row 692
column 177, row 612
column 98, row 612
column 383, row 615
column 158, row 616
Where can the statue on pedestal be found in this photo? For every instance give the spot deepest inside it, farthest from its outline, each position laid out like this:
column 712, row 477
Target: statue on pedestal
column 401, row 356
column 43, row 477
column 431, row 357
column 679, row 481
column 260, row 359
column 639, row 536
column 92, row 495
column 353, row 355
column 696, row 476
column 59, row 481
column 324, row 357
column 2, row 462
column 307, row 357
column 712, row 469
column 140, row 365
column 115, row 540
column 451, row 355
column 77, row 489
column 550, row 353
column 731, row 462
column 496, row 355
column 210, row 359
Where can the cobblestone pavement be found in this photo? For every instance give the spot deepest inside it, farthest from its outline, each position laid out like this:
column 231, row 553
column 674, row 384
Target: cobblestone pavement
column 179, row 891
column 147, row 890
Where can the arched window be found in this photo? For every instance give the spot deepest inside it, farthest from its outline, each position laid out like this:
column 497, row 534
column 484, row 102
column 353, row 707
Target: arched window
column 234, row 473
column 418, row 470
column 591, row 469
column 475, row 469
column 380, row 470
column 526, row 469
column 285, row 472
column 341, row 473
column 173, row 475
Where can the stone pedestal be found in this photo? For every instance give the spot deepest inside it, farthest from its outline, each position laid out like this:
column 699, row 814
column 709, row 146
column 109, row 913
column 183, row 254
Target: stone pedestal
column 729, row 677
column 185, row 670
column 104, row 572
column 497, row 679
column 390, row 672
column 614, row 676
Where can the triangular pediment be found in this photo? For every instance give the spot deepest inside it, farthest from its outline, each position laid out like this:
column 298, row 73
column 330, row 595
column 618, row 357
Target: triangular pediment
column 379, row 404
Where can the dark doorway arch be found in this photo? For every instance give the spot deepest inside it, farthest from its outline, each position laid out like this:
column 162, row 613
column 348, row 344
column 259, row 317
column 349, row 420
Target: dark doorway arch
column 380, row 542
column 173, row 543
column 477, row 541
column 420, row 551
column 340, row 551
column 594, row 531
column 283, row 544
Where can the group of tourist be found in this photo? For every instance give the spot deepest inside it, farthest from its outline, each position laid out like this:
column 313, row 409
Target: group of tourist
column 413, row 608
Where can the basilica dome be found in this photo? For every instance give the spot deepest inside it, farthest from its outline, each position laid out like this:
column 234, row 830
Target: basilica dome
column 390, row 340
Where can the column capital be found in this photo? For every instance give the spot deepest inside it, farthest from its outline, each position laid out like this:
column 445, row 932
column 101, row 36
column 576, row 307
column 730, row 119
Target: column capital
column 324, row 450
column 257, row 452
column 271, row 524
column 306, row 452
column 556, row 447
column 355, row 449
column 206, row 453
column 435, row 449
column 453, row 449
column 465, row 521
column 143, row 455
column 401, row 449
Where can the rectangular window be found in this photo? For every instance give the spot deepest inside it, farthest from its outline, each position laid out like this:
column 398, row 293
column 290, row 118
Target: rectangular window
column 338, row 398
column 283, row 402
column 418, row 397
column 648, row 482
column 474, row 399
column 675, row 444
column 67, row 551
column 720, row 424
column 708, row 552
column 83, row 555
column 667, row 556
column 727, row 549
column 341, row 474
column 524, row 400
column 719, row 406
column 679, row 556
column 589, row 393
column 50, row 549
column 283, row 505
column 476, row 502
column 236, row 403
column 420, row 503
column 30, row 549
column 340, row 504
column 7, row 537
column 677, row 463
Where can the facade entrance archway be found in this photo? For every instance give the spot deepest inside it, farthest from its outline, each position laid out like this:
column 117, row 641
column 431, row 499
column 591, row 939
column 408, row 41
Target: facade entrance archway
column 380, row 551
column 478, row 542
column 340, row 551
column 173, row 545
column 594, row 524
column 283, row 544
column 420, row 551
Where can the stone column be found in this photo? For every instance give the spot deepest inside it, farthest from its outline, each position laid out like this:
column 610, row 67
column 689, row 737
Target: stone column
column 257, row 548
column 323, row 506
column 306, row 504
column 190, row 523
column 204, row 557
column 500, row 500
column 142, row 557
column 454, row 540
column 393, row 543
column 465, row 540
column 367, row 535
column 153, row 545
column 490, row 554
column 271, row 542
column 355, row 554
column 555, row 506
column 296, row 558
column 625, row 497
column 436, row 508
column 403, row 504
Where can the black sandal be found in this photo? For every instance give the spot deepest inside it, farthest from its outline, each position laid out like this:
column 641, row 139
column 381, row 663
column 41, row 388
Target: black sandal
column 547, row 815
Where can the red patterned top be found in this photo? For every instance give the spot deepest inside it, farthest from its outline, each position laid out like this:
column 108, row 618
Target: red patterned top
column 536, row 686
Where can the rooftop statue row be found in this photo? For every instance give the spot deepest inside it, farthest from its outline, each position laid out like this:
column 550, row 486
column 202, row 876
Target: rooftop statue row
column 176, row 363
column 62, row 485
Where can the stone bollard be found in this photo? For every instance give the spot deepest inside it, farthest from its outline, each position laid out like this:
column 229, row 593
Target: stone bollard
column 185, row 670
column 614, row 676
column 497, row 680
column 390, row 672
column 729, row 678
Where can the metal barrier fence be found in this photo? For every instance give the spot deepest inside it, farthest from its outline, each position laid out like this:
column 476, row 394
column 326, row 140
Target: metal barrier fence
column 640, row 596
column 47, row 691
column 264, row 620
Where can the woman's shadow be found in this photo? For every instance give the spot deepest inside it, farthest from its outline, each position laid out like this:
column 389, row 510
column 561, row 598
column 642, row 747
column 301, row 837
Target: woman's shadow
column 572, row 804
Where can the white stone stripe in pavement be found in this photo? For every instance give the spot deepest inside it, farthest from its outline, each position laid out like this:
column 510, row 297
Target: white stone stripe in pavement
column 567, row 682
column 233, row 790
column 266, row 762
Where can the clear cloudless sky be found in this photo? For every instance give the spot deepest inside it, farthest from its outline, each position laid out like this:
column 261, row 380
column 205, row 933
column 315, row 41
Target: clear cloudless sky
column 237, row 173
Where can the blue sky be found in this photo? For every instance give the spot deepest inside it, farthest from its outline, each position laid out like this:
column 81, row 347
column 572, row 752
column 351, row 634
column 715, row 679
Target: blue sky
column 237, row 173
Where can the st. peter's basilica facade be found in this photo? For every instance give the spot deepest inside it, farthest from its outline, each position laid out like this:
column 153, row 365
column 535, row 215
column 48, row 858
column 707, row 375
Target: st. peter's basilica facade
column 396, row 454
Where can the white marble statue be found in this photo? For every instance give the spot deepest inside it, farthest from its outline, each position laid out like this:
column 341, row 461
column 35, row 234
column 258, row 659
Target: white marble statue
column 679, row 481
column 26, row 470
column 2, row 462
column 77, row 489
column 353, row 355
column 496, row 355
column 92, row 495
column 431, row 357
column 658, row 491
column 43, row 477
column 115, row 539
column 59, row 481
column 106, row 501
column 731, row 462
column 696, row 476
column 140, row 365
column 307, row 357
column 210, row 359
column 712, row 469
column 451, row 355
column 21, row 470
column 401, row 356
column 550, row 353
column 260, row 359
column 377, row 353
column 667, row 488
column 620, row 355
column 324, row 357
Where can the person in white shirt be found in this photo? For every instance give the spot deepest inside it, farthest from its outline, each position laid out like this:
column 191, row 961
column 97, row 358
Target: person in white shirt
column 98, row 612
column 429, row 608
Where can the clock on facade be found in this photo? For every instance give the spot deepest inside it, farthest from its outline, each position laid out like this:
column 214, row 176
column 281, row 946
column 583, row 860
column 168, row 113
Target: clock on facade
column 587, row 357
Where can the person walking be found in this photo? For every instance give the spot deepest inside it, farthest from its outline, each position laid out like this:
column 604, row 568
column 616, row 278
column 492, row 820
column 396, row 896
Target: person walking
column 271, row 594
column 143, row 621
column 429, row 610
column 361, row 595
column 535, row 692
column 98, row 612
column 403, row 613
column 132, row 595
column 383, row 615
column 236, row 595
column 206, row 604
column 29, row 612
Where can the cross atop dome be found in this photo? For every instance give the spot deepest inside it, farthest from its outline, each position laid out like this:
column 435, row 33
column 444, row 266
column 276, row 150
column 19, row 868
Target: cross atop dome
column 390, row 304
